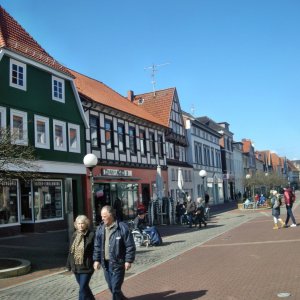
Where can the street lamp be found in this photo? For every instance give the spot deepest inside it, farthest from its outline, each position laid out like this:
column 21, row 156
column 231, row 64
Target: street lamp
column 90, row 161
column 203, row 174
column 248, row 176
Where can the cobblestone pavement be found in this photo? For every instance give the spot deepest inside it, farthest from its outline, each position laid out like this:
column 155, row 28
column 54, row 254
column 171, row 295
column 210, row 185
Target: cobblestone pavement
column 62, row 285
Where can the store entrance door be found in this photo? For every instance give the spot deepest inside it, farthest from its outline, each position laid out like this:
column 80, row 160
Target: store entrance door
column 146, row 195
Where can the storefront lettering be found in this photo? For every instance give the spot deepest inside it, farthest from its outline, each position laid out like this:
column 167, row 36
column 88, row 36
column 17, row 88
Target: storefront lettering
column 47, row 183
column 113, row 172
column 8, row 182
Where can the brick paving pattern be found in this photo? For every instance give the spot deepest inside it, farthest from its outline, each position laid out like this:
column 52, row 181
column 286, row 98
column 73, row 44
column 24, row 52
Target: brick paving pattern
column 239, row 256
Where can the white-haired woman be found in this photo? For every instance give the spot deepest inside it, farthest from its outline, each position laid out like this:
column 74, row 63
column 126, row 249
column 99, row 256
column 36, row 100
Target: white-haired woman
column 276, row 203
column 80, row 258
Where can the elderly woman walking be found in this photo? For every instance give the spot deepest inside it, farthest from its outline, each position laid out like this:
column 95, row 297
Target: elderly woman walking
column 80, row 258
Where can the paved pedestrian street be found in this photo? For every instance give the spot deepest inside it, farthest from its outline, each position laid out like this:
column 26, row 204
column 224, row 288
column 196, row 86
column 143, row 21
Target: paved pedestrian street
column 238, row 256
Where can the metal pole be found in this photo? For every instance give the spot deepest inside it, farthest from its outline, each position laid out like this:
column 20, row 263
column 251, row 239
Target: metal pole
column 92, row 199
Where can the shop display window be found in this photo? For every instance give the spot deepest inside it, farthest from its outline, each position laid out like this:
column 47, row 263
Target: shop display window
column 47, row 199
column 8, row 202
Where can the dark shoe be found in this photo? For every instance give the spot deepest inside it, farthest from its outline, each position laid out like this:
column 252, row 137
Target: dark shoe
column 205, row 224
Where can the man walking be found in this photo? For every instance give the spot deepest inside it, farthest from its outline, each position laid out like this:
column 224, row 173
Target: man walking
column 114, row 250
column 289, row 199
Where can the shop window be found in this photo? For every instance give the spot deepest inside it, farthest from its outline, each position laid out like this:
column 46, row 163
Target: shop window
column 128, row 193
column 18, row 125
column 41, row 132
column 17, row 75
column 74, row 138
column 47, row 199
column 26, row 202
column 59, row 135
column 58, row 89
column 8, row 202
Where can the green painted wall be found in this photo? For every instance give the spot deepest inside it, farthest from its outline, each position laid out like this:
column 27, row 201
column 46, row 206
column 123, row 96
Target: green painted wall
column 37, row 99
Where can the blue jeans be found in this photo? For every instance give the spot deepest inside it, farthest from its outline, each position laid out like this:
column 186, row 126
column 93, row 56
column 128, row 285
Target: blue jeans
column 114, row 279
column 83, row 279
column 289, row 214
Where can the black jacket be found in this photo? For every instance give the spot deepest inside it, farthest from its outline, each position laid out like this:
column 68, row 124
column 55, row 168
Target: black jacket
column 87, row 266
column 121, row 249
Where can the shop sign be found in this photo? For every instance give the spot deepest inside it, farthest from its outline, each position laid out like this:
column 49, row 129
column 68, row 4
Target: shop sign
column 47, row 183
column 114, row 172
column 8, row 182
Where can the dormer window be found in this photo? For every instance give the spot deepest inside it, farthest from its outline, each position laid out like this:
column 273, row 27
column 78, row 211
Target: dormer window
column 140, row 101
column 17, row 78
column 58, row 89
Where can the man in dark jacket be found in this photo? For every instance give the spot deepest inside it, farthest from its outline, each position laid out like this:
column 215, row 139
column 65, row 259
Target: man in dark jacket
column 114, row 250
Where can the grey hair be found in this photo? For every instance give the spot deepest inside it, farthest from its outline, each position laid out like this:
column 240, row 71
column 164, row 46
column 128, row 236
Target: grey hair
column 84, row 219
column 110, row 210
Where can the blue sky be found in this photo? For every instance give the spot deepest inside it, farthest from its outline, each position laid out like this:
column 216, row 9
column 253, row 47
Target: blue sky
column 232, row 60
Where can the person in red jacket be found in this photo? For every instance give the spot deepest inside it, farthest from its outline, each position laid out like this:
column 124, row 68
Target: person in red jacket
column 289, row 199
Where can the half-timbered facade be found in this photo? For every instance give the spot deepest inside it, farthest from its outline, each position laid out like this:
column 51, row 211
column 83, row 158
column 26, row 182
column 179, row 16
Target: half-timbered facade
column 129, row 143
column 165, row 105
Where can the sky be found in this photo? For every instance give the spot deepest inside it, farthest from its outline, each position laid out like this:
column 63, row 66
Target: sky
column 236, row 61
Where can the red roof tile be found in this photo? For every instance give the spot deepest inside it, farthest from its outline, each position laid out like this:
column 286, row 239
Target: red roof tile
column 15, row 38
column 158, row 104
column 101, row 93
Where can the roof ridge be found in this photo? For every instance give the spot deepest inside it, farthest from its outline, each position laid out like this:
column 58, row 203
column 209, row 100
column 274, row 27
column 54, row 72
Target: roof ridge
column 91, row 78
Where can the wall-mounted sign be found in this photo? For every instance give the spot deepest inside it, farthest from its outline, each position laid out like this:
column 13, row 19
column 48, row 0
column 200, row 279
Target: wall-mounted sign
column 114, row 172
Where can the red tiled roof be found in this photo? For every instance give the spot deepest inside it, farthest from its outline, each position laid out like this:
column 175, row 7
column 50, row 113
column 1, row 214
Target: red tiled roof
column 101, row 93
column 158, row 104
column 15, row 38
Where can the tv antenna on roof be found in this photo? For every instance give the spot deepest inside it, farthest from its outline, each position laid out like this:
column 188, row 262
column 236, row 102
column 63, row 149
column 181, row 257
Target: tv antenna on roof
column 154, row 69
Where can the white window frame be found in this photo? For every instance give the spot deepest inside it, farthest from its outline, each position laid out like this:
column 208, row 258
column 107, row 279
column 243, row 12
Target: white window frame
column 77, row 129
column 15, row 85
column 23, row 115
column 3, row 117
column 64, row 136
column 59, row 80
column 46, row 144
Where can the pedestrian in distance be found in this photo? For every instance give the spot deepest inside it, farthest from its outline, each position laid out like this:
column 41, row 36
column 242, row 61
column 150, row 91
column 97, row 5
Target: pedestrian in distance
column 200, row 213
column 276, row 203
column 114, row 251
column 190, row 209
column 80, row 257
column 289, row 199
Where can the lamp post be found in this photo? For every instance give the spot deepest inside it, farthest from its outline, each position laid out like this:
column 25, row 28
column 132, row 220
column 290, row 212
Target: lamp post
column 248, row 176
column 203, row 174
column 90, row 161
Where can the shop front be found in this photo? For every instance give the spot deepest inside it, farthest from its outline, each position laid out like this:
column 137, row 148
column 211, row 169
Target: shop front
column 134, row 187
column 35, row 205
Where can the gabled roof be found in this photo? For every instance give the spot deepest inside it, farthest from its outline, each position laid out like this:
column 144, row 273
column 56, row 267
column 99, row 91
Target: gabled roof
column 158, row 104
column 99, row 92
column 15, row 38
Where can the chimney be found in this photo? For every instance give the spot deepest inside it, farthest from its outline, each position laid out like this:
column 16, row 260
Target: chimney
column 130, row 95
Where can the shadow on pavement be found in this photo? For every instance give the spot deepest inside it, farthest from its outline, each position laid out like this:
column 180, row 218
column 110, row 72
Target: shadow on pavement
column 171, row 296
